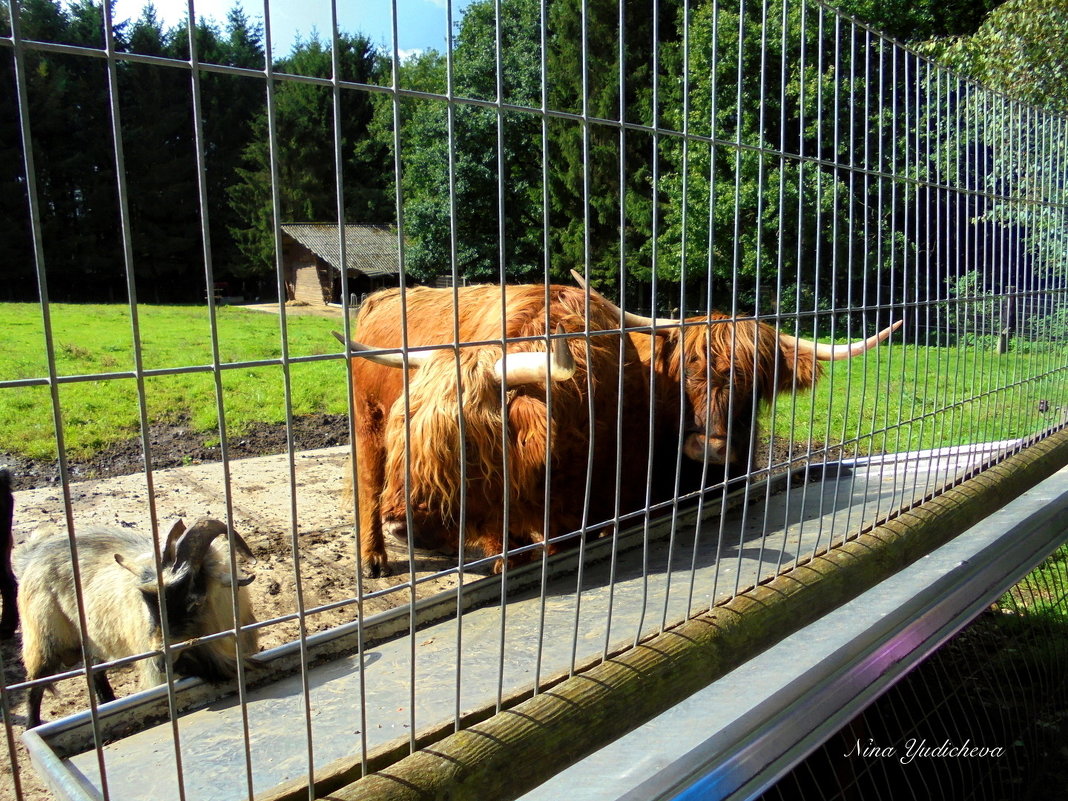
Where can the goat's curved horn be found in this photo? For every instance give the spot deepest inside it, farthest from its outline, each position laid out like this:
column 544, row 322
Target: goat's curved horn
column 630, row 320
column 242, row 581
column 192, row 546
column 534, row 367
column 827, row 353
column 177, row 530
column 241, row 546
column 385, row 359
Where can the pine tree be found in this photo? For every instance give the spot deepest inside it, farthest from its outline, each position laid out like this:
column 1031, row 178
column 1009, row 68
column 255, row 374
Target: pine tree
column 497, row 156
column 304, row 132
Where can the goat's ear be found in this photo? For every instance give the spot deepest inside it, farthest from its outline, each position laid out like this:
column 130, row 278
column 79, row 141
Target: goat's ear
column 177, row 530
column 122, row 563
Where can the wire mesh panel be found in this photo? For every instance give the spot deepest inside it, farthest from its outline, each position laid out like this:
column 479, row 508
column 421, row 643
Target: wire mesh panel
column 999, row 683
column 633, row 309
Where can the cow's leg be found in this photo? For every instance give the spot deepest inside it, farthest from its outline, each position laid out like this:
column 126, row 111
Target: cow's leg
column 521, row 532
column 370, row 472
column 484, row 535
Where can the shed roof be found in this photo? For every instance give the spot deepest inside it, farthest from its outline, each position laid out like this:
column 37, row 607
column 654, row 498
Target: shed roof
column 370, row 249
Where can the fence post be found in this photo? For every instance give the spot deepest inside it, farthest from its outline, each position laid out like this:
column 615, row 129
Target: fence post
column 1008, row 320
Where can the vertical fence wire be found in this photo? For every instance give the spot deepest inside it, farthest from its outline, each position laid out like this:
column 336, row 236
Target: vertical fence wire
column 910, row 192
column 622, row 178
column 220, row 406
column 337, row 120
column 36, row 227
column 294, row 524
column 502, row 265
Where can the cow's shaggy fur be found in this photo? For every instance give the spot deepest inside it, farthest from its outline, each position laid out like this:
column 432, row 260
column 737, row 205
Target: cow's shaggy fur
column 540, row 421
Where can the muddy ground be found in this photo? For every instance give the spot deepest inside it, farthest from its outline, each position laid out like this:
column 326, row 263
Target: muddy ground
column 188, row 482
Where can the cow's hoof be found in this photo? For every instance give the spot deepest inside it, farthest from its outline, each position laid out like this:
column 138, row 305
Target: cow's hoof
column 376, row 567
column 513, row 563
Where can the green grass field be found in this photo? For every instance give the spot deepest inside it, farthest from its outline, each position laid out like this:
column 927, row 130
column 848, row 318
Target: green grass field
column 907, row 398
column 910, row 397
column 94, row 339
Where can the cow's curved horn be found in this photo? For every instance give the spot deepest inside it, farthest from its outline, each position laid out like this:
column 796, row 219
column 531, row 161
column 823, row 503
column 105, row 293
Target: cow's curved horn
column 534, row 368
column 385, row 359
column 827, row 353
column 630, row 320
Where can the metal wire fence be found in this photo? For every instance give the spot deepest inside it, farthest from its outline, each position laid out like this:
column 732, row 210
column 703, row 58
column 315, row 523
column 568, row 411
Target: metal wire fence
column 999, row 679
column 756, row 178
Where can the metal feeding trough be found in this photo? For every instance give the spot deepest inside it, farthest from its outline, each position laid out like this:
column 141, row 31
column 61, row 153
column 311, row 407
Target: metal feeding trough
column 420, row 667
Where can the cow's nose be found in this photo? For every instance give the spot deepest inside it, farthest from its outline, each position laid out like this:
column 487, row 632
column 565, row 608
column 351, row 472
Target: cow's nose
column 700, row 448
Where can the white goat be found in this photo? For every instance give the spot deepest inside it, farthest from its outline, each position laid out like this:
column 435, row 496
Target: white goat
column 122, row 605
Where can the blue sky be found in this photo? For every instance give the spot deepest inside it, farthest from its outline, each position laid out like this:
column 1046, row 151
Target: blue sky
column 421, row 23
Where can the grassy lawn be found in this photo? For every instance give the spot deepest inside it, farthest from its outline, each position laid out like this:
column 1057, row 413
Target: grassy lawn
column 92, row 339
column 893, row 399
column 906, row 398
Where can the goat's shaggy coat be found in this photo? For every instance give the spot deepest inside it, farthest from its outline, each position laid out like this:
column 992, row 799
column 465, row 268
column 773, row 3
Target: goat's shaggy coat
column 122, row 605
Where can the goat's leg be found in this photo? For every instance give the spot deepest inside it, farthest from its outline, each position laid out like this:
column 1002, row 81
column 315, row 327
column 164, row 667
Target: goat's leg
column 102, row 686
column 33, row 706
column 9, row 618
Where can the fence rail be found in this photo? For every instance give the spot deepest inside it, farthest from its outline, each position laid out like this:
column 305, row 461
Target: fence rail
column 540, row 481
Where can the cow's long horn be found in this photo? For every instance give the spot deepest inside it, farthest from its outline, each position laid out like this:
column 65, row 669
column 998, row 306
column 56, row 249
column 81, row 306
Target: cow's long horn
column 534, row 368
column 827, row 353
column 385, row 359
column 630, row 320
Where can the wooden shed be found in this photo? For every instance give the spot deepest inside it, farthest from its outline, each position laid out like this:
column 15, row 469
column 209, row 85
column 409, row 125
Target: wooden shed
column 311, row 254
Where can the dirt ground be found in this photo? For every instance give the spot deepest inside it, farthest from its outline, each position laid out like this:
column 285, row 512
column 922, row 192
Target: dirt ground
column 319, row 547
column 302, row 539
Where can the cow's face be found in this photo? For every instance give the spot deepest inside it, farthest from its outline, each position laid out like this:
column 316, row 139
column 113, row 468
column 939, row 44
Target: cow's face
column 727, row 368
column 427, row 449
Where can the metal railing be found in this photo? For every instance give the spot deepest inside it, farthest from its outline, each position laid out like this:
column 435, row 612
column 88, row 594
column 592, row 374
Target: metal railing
column 781, row 163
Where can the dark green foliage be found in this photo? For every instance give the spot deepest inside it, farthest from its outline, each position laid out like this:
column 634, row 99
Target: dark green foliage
column 74, row 173
column 76, row 178
column 494, row 152
column 919, row 20
column 572, row 163
column 513, row 192
column 304, row 137
column 70, row 117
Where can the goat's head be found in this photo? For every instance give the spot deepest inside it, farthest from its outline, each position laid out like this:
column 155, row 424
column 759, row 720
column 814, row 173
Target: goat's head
column 188, row 571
